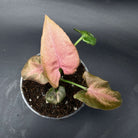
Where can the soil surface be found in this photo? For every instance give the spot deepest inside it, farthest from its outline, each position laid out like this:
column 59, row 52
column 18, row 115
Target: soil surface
column 35, row 95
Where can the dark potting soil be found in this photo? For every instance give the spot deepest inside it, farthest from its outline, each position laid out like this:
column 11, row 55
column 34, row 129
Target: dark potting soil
column 35, row 95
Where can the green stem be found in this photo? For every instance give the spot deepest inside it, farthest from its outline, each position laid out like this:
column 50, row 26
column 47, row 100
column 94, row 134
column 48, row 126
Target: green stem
column 78, row 85
column 78, row 40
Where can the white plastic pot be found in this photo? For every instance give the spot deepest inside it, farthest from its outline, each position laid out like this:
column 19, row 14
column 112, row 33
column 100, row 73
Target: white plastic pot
column 37, row 113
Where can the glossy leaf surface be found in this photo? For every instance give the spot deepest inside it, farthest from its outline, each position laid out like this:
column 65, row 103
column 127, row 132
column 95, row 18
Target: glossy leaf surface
column 87, row 37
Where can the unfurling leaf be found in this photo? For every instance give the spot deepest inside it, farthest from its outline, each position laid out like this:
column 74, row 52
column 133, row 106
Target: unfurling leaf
column 87, row 37
column 55, row 96
column 57, row 51
column 33, row 70
column 99, row 94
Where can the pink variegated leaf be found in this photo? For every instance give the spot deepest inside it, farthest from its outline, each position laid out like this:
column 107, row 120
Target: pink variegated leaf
column 33, row 70
column 57, row 51
column 99, row 95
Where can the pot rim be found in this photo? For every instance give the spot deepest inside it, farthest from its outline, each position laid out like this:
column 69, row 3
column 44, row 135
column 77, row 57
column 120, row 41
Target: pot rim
column 47, row 117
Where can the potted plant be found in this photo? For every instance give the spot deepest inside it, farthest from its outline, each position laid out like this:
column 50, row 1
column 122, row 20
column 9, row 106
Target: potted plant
column 56, row 83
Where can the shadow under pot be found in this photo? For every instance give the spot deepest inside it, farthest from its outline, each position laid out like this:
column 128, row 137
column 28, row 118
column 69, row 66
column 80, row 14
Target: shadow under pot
column 34, row 94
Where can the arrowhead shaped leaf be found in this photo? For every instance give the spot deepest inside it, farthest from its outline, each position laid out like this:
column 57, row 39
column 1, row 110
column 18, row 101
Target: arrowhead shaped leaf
column 87, row 37
column 99, row 94
column 33, row 70
column 57, row 51
column 55, row 96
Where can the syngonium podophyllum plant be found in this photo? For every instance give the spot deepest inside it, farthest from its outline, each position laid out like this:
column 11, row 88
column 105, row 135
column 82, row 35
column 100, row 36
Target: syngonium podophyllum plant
column 58, row 54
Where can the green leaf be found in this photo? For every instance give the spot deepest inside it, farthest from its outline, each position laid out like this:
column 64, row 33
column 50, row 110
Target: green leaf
column 87, row 37
column 55, row 96
column 99, row 95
